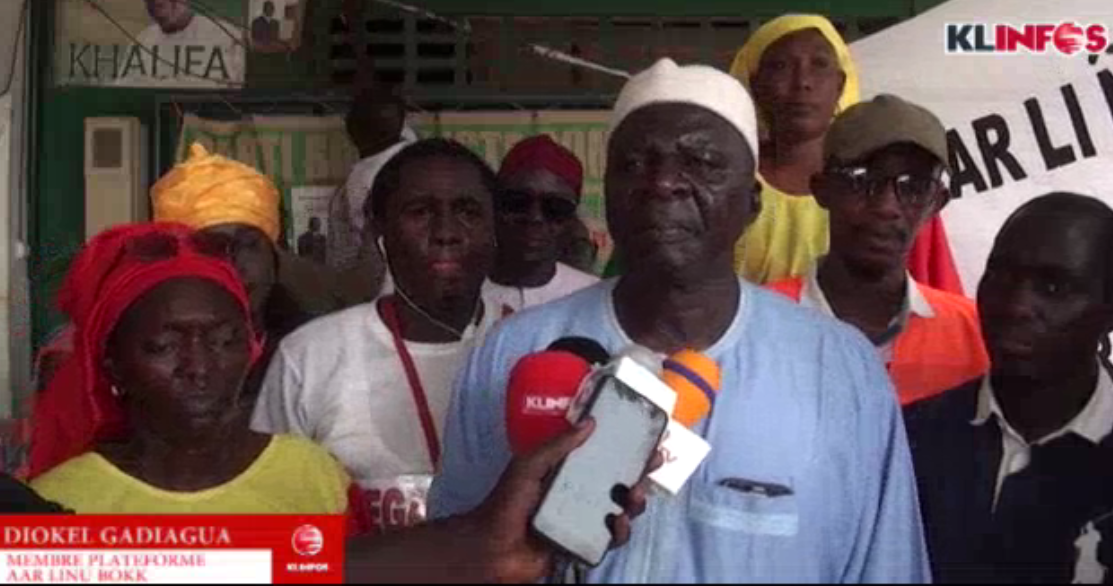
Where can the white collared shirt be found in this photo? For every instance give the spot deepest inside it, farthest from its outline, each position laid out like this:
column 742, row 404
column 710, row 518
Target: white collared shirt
column 1093, row 423
column 914, row 304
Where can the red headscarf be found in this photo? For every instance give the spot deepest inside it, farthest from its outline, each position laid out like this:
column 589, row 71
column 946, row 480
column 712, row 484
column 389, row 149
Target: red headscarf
column 78, row 408
column 542, row 152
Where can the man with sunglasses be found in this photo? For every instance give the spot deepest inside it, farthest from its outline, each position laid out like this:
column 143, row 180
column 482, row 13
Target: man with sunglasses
column 885, row 176
column 540, row 183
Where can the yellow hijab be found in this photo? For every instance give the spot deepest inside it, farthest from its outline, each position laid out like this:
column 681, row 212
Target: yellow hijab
column 748, row 58
column 207, row 190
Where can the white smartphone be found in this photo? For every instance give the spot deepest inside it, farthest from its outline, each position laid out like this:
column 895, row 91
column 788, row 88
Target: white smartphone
column 573, row 513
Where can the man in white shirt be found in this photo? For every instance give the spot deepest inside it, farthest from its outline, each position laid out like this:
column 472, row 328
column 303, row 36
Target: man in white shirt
column 373, row 383
column 1016, row 469
column 184, row 49
column 540, row 184
column 376, row 126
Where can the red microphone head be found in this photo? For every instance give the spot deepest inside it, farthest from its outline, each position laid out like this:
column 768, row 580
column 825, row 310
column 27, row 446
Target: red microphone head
column 538, row 394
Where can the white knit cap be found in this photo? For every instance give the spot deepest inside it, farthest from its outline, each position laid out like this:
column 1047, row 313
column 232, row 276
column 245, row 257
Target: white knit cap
column 699, row 85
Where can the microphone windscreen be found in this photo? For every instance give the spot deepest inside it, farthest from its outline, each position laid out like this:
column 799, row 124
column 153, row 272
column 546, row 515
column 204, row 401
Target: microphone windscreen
column 539, row 391
column 696, row 379
column 590, row 350
column 644, row 356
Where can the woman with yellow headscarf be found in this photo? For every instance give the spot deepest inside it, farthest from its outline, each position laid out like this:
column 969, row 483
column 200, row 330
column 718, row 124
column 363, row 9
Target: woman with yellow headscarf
column 801, row 75
column 236, row 211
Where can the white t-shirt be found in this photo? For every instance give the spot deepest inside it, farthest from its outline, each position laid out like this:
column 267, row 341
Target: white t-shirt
column 566, row 281
column 191, row 49
column 346, row 218
column 339, row 381
column 362, row 176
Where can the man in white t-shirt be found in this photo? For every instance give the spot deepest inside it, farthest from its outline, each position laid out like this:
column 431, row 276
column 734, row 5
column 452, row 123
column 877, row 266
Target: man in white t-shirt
column 184, row 49
column 373, row 383
column 376, row 126
column 540, row 183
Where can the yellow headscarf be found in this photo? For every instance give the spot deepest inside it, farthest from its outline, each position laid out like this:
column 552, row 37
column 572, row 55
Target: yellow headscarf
column 748, row 58
column 208, row 189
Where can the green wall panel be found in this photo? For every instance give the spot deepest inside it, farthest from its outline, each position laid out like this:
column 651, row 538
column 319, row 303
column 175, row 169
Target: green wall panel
column 58, row 209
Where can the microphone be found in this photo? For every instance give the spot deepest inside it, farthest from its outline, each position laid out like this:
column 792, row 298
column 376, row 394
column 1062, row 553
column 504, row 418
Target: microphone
column 540, row 390
column 590, row 350
column 542, row 387
column 645, row 357
column 696, row 379
column 636, row 366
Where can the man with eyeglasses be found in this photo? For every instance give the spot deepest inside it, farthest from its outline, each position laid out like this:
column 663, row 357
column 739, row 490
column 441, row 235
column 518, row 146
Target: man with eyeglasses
column 885, row 176
column 540, row 183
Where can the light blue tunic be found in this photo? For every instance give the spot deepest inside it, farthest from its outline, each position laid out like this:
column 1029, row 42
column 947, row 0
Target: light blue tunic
column 804, row 403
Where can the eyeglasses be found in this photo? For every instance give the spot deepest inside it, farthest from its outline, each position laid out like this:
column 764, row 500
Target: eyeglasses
column 152, row 247
column 158, row 246
column 916, row 190
column 520, row 204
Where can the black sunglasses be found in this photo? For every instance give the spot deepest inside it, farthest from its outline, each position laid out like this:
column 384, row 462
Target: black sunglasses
column 156, row 246
column 911, row 189
column 520, row 204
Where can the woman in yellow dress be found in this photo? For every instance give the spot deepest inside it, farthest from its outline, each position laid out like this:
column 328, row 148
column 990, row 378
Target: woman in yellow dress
column 148, row 404
column 801, row 75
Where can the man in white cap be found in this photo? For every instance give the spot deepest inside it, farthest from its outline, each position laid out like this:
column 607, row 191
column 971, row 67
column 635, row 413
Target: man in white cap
column 809, row 477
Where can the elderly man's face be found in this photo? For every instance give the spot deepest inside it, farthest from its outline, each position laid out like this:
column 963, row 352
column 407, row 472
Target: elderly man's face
column 680, row 187
column 171, row 15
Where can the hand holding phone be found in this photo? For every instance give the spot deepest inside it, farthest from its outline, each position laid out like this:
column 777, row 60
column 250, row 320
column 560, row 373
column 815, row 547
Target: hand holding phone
column 581, row 497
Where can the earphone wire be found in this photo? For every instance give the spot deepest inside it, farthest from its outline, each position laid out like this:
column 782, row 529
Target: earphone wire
column 402, row 294
column 440, row 324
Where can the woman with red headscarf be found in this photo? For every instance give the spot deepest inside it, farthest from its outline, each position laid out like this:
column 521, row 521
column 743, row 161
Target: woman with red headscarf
column 146, row 410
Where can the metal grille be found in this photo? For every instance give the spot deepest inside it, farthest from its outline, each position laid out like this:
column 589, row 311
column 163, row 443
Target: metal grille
column 422, row 55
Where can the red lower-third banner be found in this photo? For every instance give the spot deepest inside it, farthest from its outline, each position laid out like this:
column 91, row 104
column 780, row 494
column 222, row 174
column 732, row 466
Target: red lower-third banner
column 171, row 549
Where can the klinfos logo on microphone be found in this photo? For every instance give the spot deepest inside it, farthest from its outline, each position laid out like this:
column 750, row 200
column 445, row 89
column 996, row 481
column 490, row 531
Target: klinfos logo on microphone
column 1065, row 38
column 308, row 540
column 544, row 405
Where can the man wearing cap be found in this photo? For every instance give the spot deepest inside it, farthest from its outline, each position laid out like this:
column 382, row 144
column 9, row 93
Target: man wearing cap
column 540, row 183
column 809, row 478
column 884, row 177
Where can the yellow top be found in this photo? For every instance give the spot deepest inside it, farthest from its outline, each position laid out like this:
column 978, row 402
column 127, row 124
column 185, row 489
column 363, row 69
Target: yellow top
column 206, row 190
column 786, row 238
column 291, row 476
column 791, row 232
column 748, row 58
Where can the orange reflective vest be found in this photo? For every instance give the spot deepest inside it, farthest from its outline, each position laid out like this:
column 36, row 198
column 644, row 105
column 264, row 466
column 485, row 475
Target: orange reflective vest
column 930, row 355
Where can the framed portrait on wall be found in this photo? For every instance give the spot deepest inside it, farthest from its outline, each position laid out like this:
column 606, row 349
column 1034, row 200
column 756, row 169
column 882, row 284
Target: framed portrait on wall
column 274, row 26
